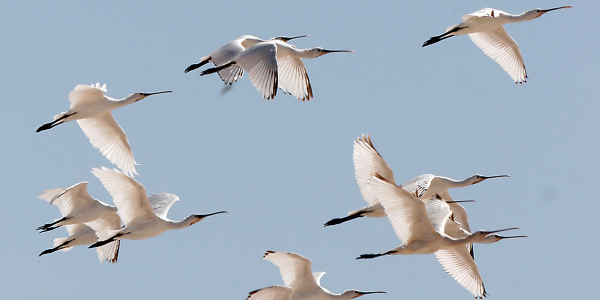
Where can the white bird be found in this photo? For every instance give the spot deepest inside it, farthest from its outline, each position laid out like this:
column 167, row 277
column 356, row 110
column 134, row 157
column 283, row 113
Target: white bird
column 421, row 225
column 299, row 282
column 135, row 210
column 92, row 110
column 80, row 212
column 229, row 51
column 367, row 162
column 274, row 64
column 485, row 28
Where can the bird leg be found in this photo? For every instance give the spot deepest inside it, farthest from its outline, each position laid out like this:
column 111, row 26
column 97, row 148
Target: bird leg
column 54, row 123
column 196, row 66
column 111, row 239
column 363, row 256
column 217, row 69
column 441, row 37
column 59, row 247
column 348, row 218
column 50, row 226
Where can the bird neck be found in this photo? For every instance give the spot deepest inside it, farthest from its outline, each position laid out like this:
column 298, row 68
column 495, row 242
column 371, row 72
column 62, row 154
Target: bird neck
column 453, row 183
column 454, row 242
column 307, row 53
column 183, row 223
column 526, row 16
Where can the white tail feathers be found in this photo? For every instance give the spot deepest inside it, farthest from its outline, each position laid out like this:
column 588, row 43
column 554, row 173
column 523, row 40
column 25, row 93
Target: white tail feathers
column 59, row 241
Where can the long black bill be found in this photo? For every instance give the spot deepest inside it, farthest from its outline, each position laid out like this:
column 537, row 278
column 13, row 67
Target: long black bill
column 150, row 94
column 366, row 293
column 332, row 51
column 285, row 38
column 495, row 231
column 460, row 201
column 496, row 176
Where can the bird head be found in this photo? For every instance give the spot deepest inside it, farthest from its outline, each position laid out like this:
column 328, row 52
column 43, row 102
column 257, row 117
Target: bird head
column 488, row 237
column 318, row 51
column 539, row 12
column 139, row 96
column 285, row 38
column 351, row 294
column 479, row 178
column 193, row 219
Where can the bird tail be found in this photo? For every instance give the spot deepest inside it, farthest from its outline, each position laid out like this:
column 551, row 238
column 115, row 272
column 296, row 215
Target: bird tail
column 202, row 62
column 59, row 242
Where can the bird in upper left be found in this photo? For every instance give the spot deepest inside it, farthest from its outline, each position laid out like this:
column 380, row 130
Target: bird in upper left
column 92, row 110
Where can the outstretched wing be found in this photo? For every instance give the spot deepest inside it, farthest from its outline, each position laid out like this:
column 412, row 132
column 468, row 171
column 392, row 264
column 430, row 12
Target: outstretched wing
column 458, row 263
column 271, row 293
column 293, row 78
column 261, row 64
column 107, row 136
column 128, row 195
column 101, row 226
column 368, row 162
column 85, row 94
column 419, row 184
column 500, row 47
column 161, row 203
column 295, row 270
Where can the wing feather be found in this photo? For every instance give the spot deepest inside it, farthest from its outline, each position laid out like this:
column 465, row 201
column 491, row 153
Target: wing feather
column 368, row 162
column 500, row 47
column 295, row 270
column 458, row 263
column 261, row 64
column 271, row 293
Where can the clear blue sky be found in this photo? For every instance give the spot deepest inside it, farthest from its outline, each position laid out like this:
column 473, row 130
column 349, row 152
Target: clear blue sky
column 282, row 168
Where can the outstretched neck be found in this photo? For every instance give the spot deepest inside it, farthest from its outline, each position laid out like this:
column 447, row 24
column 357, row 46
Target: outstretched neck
column 453, row 183
column 188, row 221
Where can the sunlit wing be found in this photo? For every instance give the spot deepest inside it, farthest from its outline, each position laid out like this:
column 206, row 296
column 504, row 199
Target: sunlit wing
column 261, row 64
column 86, row 94
column 295, row 270
column 107, row 136
column 458, row 263
column 161, row 203
column 293, row 78
column 500, row 47
column 368, row 162
column 271, row 293
column 225, row 54
column 419, row 184
column 406, row 213
column 70, row 198
column 454, row 230
column 438, row 213
column 459, row 215
column 484, row 12
column 128, row 195
column 101, row 227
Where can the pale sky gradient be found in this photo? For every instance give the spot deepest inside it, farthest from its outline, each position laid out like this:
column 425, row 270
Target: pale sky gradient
column 282, row 168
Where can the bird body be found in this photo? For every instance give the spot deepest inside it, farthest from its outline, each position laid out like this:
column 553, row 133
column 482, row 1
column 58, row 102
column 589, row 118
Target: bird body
column 421, row 226
column 140, row 219
column 485, row 27
column 300, row 283
column 276, row 64
column 76, row 206
column 92, row 110
column 85, row 219
column 368, row 161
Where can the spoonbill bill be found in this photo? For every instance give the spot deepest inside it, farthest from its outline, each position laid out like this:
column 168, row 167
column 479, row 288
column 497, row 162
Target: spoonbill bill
column 229, row 51
column 92, row 110
column 299, row 282
column 367, row 162
column 421, row 225
column 134, row 208
column 485, row 27
column 274, row 64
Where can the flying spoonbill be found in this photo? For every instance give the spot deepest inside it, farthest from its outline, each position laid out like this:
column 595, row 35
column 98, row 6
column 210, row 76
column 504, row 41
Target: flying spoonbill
column 485, row 28
column 92, row 110
column 299, row 282
column 274, row 64
column 229, row 51
column 135, row 210
column 421, row 225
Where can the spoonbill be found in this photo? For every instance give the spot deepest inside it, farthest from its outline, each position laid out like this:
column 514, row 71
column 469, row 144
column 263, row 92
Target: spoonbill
column 421, row 224
column 274, row 64
column 299, row 282
column 367, row 162
column 135, row 210
column 485, row 28
column 231, row 50
column 92, row 110
column 76, row 206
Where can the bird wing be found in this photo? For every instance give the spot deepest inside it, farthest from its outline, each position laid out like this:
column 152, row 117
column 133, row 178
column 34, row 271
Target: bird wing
column 101, row 227
column 318, row 276
column 484, row 12
column 458, row 263
column 295, row 270
column 85, row 94
column 271, row 293
column 459, row 215
column 438, row 213
column 107, row 136
column 261, row 64
column 50, row 194
column 500, row 47
column 161, row 203
column 455, row 231
column 70, row 198
column 225, row 54
column 128, row 195
column 419, row 184
column 406, row 213
column 367, row 162
column 293, row 78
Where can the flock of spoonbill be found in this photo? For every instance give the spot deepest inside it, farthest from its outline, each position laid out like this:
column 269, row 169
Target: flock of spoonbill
column 421, row 211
